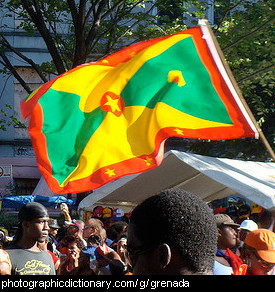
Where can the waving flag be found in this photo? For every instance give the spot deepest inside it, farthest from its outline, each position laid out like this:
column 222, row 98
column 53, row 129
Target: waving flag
column 106, row 119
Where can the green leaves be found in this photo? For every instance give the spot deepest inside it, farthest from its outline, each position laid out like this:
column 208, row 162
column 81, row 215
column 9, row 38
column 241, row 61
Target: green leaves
column 7, row 119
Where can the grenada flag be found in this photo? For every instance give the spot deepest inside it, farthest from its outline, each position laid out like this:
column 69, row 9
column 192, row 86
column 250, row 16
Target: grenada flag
column 106, row 119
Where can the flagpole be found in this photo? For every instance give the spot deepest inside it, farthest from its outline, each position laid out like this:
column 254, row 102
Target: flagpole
column 204, row 22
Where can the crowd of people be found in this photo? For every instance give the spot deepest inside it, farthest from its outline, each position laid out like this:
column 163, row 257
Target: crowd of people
column 171, row 233
column 238, row 209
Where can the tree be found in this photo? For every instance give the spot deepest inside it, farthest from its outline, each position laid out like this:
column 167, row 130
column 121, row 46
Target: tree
column 250, row 53
column 244, row 30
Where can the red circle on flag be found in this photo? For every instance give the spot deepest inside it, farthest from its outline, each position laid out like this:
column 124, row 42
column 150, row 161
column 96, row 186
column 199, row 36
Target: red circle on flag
column 111, row 102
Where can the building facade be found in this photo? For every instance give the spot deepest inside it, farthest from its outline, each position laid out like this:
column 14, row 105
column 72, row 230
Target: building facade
column 18, row 169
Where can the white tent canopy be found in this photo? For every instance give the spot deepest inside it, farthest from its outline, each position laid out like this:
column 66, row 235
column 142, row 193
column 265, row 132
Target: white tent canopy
column 42, row 189
column 208, row 177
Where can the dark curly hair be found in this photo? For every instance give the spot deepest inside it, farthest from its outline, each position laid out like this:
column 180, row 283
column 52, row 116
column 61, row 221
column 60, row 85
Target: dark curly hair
column 181, row 220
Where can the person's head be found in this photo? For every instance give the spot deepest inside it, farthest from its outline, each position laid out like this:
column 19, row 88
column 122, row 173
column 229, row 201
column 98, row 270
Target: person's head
column 53, row 227
column 95, row 240
column 94, row 226
column 246, row 227
column 75, row 229
column 68, row 245
column 117, row 230
column 172, row 232
column 227, row 235
column 265, row 220
column 259, row 252
column 33, row 218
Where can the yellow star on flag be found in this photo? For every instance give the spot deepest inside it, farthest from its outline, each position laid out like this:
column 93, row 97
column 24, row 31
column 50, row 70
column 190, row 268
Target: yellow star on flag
column 113, row 103
column 179, row 131
column 110, row 172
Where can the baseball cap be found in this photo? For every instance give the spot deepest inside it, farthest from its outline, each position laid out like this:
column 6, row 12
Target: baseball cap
column 224, row 219
column 118, row 214
column 97, row 212
column 263, row 240
column 107, row 212
column 248, row 225
column 53, row 224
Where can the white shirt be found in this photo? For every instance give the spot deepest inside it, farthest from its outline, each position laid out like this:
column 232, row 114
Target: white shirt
column 220, row 269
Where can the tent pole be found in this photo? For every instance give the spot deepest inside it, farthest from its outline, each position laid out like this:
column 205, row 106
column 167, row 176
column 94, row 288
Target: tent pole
column 236, row 87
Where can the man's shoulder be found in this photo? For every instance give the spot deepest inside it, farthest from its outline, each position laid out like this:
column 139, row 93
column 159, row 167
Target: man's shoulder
column 16, row 250
column 12, row 249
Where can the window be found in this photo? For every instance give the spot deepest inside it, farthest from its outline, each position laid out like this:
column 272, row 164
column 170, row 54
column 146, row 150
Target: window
column 25, row 186
column 33, row 81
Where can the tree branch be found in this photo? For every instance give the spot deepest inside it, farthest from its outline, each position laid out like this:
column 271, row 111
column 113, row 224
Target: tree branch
column 8, row 65
column 107, row 13
column 34, row 66
column 136, row 22
column 226, row 13
column 247, row 35
column 38, row 20
column 110, row 46
column 81, row 11
column 91, row 9
column 96, row 23
column 256, row 73
column 73, row 9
